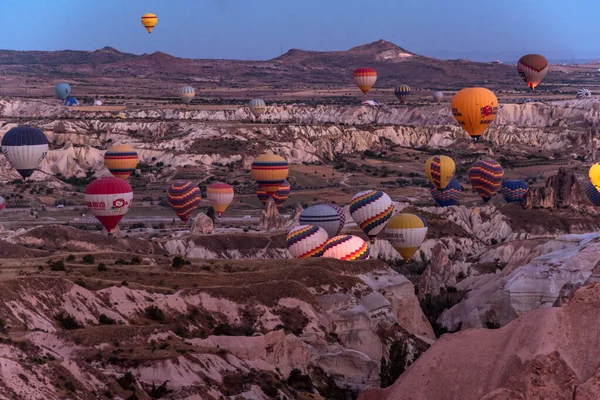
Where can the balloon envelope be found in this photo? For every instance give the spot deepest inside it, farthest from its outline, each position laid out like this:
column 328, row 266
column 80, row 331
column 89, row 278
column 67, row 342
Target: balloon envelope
column 592, row 193
column 187, row 94
column 2, row 204
column 342, row 213
column 347, row 248
column 62, row 90
column 71, row 101
column 282, row 194
column 257, row 107
column 121, row 160
column 532, row 68
column 220, row 195
column 448, row 196
column 440, row 170
column 583, row 93
column 184, row 198
column 475, row 109
column 108, row 199
column 371, row 209
column 270, row 171
column 306, row 241
column 322, row 215
column 406, row 233
column 486, row 176
column 437, row 96
column 513, row 190
column 365, row 78
column 25, row 147
column 402, row 92
column 594, row 174
column 149, row 21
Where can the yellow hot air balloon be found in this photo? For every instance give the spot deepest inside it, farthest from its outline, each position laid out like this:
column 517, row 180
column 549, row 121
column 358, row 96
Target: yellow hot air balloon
column 594, row 174
column 440, row 171
column 149, row 21
column 220, row 195
column 269, row 171
column 475, row 109
column 406, row 233
column 121, row 160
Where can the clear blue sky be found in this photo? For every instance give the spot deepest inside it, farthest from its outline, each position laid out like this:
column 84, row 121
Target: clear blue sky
column 256, row 29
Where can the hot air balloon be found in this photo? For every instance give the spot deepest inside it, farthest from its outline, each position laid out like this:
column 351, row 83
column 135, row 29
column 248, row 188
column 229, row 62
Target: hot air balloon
column 2, row 204
column 97, row 102
column 347, row 248
column 371, row 209
column 532, row 68
column 402, row 92
column 184, row 198
column 342, row 213
column 584, row 94
column 486, row 177
column 306, row 241
column 282, row 194
column 440, row 170
column 263, row 196
column 220, row 195
column 121, row 160
column 406, row 233
column 269, row 171
column 71, row 101
column 475, row 109
column 592, row 193
column 322, row 215
column 447, row 197
column 513, row 190
column 149, row 21
column 365, row 79
column 437, row 96
column 257, row 107
column 62, row 90
column 109, row 200
column 25, row 147
column 186, row 94
column 594, row 174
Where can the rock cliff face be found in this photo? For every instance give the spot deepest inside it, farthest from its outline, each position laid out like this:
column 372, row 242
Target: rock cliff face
column 561, row 190
column 548, row 354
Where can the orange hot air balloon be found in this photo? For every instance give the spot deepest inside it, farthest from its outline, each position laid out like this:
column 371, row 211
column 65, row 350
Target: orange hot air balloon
column 270, row 171
column 365, row 78
column 532, row 68
column 220, row 195
column 475, row 109
column 149, row 21
column 121, row 160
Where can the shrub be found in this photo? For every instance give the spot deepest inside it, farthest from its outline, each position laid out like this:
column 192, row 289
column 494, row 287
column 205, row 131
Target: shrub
column 57, row 265
column 67, row 321
column 102, row 267
column 154, row 313
column 179, row 261
column 88, row 259
column 106, row 320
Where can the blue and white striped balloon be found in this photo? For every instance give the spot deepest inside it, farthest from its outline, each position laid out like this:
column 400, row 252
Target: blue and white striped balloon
column 324, row 216
column 25, row 147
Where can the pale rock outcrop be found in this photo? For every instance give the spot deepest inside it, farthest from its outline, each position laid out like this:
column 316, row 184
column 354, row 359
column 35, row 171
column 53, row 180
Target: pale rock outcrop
column 202, row 225
column 561, row 190
column 270, row 217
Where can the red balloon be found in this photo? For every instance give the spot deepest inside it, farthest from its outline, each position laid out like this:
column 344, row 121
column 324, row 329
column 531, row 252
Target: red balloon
column 109, row 200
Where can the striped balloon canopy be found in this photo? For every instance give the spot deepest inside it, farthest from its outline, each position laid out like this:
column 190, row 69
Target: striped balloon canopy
column 306, row 241
column 109, row 199
column 440, row 170
column 532, row 68
column 513, row 190
column 121, row 160
column 406, row 232
column 486, row 177
column 447, row 197
column 280, row 197
column 584, row 93
column 592, row 194
column 257, row 107
column 270, row 171
column 371, row 209
column 402, row 92
column 342, row 213
column 322, row 215
column 184, row 198
column 186, row 94
column 220, row 196
column 25, row 147
column 347, row 248
column 364, row 78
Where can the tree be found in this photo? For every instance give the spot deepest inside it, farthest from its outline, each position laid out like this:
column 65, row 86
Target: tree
column 210, row 213
column 390, row 370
